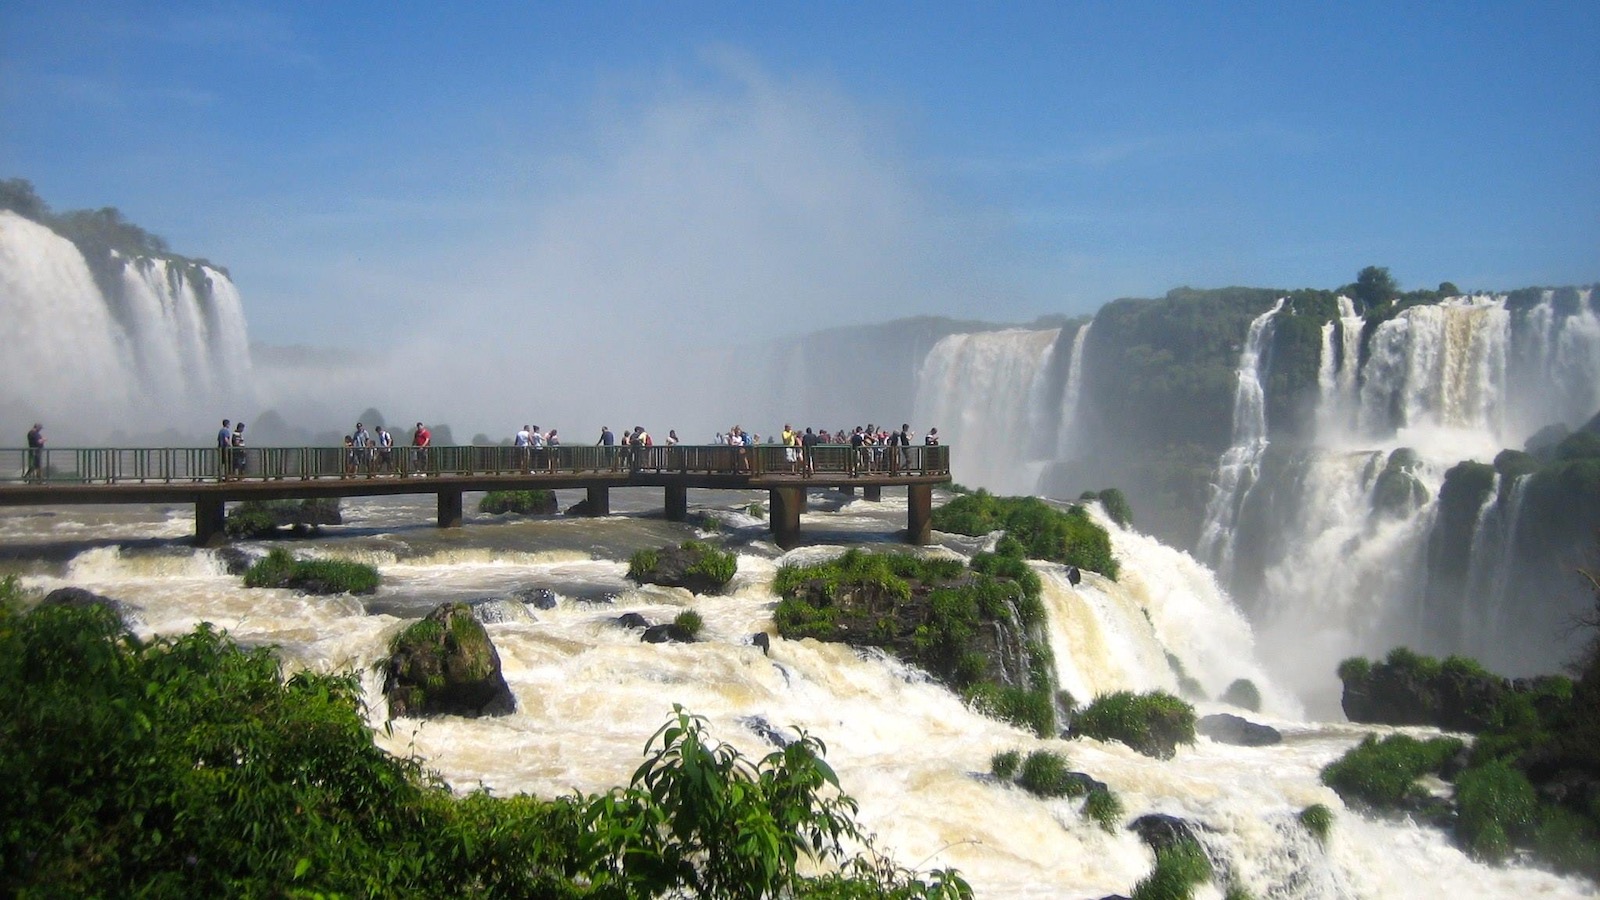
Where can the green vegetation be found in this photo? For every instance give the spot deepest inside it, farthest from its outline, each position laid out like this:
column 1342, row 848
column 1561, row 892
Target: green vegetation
column 1003, row 765
column 189, row 766
column 1496, row 806
column 1069, row 537
column 313, row 576
column 1046, row 773
column 1243, row 694
column 695, row 565
column 978, row 629
column 1114, row 502
column 1383, row 774
column 1153, row 723
column 689, row 623
column 262, row 518
column 1179, row 869
column 1317, row 819
column 1104, row 809
column 12, row 595
column 522, row 503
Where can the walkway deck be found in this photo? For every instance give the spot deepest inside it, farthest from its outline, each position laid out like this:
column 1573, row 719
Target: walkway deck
column 210, row 478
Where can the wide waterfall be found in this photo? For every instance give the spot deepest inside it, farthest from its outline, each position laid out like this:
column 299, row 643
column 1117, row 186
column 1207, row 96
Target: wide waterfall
column 149, row 345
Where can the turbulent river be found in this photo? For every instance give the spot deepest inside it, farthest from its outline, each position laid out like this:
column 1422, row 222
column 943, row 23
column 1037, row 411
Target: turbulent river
column 589, row 693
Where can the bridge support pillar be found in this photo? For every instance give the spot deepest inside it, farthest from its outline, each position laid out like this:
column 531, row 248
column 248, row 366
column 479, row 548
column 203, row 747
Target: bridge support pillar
column 919, row 513
column 848, row 490
column 677, row 503
column 784, row 515
column 450, row 509
column 210, row 520
column 599, row 503
column 873, row 492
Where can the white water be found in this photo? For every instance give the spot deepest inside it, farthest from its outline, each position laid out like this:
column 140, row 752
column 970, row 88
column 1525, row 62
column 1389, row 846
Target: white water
column 1240, row 465
column 166, row 352
column 988, row 389
column 589, row 695
column 1068, row 438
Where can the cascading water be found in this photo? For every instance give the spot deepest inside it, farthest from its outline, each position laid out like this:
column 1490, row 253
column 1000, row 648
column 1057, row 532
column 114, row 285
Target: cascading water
column 589, row 694
column 969, row 388
column 1240, row 466
column 165, row 350
column 1067, row 438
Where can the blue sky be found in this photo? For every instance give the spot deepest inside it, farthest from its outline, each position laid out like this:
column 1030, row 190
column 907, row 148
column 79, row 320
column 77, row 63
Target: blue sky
column 716, row 172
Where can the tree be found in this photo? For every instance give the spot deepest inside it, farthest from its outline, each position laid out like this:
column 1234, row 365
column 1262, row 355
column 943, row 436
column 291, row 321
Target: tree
column 1375, row 287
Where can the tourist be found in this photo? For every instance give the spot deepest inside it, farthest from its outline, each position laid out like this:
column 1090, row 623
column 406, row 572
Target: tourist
column 521, row 443
column 363, row 445
column 858, row 452
column 385, row 450
column 932, row 440
column 420, row 438
column 536, row 446
column 791, row 453
column 239, row 458
column 808, row 452
column 349, row 455
column 224, row 449
column 672, row 437
column 607, row 442
column 35, row 470
column 552, row 441
column 904, row 440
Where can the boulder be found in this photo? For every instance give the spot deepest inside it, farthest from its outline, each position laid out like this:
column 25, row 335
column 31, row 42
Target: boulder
column 695, row 566
column 631, row 620
column 500, row 610
column 1162, row 832
column 537, row 597
column 1230, row 729
column 79, row 598
column 1404, row 693
column 445, row 664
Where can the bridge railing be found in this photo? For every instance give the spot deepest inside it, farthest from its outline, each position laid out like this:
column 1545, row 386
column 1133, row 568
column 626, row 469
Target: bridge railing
column 104, row 465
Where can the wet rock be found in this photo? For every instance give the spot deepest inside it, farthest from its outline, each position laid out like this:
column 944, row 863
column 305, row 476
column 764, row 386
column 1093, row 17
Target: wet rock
column 671, row 632
column 761, row 727
column 235, row 560
column 445, row 664
column 1074, row 576
column 537, row 597
column 1162, row 832
column 1230, row 729
column 79, row 598
column 1403, row 692
column 500, row 610
column 761, row 640
column 631, row 620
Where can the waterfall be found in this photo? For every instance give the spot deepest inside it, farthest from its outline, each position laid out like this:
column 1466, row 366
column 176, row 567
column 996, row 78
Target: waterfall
column 1240, row 465
column 1067, row 443
column 1339, row 369
column 988, row 390
column 164, row 349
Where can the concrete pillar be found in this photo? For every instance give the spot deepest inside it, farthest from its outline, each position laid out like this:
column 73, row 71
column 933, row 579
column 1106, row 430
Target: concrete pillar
column 210, row 520
column 450, row 509
column 784, row 515
column 873, row 492
column 599, row 503
column 848, row 490
column 677, row 502
column 919, row 513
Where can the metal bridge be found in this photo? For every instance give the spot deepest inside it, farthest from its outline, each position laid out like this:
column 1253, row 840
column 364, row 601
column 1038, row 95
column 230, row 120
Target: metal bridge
column 211, row 477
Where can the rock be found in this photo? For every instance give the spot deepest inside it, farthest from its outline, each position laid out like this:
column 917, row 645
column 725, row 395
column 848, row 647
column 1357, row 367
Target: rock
column 1243, row 694
column 500, row 610
column 1074, row 576
column 537, row 597
column 764, row 729
column 79, row 598
column 1083, row 784
column 1162, row 832
column 1402, row 693
column 1230, row 729
column 445, row 664
column 235, row 560
column 695, row 566
column 668, row 633
column 761, row 640
column 631, row 620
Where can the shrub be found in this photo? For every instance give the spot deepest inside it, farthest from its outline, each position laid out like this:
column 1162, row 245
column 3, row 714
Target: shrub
column 1496, row 807
column 1046, row 773
column 1317, row 819
column 1104, row 809
column 1383, row 774
column 689, row 623
column 1153, row 723
column 279, row 569
column 1243, row 694
column 1355, row 668
column 1179, row 869
column 525, row 503
column 1069, row 537
column 643, row 563
column 713, row 564
column 12, row 595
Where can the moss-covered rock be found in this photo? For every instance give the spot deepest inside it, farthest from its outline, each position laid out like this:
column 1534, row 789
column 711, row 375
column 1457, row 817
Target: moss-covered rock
column 279, row 569
column 252, row 519
column 445, row 664
column 1411, row 689
column 1067, row 536
column 978, row 629
column 522, row 503
column 1398, row 491
column 694, row 565
column 1383, row 774
column 1153, row 723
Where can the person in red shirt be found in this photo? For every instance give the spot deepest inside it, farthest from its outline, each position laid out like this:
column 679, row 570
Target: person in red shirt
column 419, row 443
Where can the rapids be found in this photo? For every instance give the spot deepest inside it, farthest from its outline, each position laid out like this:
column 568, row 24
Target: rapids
column 589, row 694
